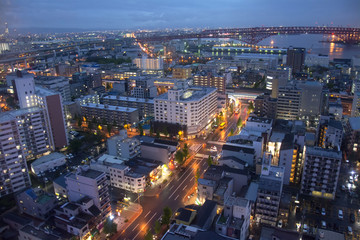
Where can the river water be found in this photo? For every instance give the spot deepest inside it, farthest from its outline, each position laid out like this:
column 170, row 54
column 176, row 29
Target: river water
column 314, row 44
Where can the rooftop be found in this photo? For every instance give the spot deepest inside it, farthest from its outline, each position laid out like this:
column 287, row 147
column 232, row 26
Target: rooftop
column 270, row 184
column 190, row 94
column 129, row 99
column 236, row 148
column 329, row 153
column 109, row 107
column 354, row 123
column 48, row 158
column 16, row 218
column 38, row 233
column 60, row 181
column 10, row 115
column 259, row 120
column 237, row 201
column 204, row 213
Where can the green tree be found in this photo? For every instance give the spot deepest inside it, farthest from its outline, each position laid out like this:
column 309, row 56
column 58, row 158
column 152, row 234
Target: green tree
column 140, row 129
column 209, row 161
column 151, row 130
column 157, row 134
column 75, row 145
column 239, row 122
column 157, row 227
column 179, row 157
column 109, row 128
column 165, row 131
column 149, row 235
column 110, row 227
column 185, row 151
column 79, row 122
column 231, row 132
column 167, row 213
column 197, row 175
column 250, row 108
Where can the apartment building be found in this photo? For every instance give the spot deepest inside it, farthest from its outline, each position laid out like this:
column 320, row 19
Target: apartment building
column 181, row 72
column 90, row 183
column 144, row 106
column 321, row 172
column 193, row 108
column 110, row 114
column 123, row 146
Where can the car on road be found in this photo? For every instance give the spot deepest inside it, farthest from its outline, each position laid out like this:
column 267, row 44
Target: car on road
column 306, row 228
column 323, row 224
column 213, row 149
column 323, row 212
column 340, row 215
column 280, row 224
column 350, row 232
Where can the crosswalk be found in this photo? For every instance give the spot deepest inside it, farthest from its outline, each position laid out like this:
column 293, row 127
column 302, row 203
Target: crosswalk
column 195, row 147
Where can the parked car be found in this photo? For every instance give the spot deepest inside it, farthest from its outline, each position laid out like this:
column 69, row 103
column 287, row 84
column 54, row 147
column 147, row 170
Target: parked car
column 280, row 224
column 340, row 215
column 306, row 228
column 323, row 224
column 323, row 212
column 350, row 232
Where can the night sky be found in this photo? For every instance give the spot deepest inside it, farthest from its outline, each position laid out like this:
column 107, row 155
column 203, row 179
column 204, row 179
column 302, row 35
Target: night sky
column 156, row 14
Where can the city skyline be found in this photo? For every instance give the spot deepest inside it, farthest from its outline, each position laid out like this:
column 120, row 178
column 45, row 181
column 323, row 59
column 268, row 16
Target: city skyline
column 48, row 16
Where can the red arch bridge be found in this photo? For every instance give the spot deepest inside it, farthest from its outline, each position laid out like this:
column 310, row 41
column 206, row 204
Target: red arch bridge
column 254, row 35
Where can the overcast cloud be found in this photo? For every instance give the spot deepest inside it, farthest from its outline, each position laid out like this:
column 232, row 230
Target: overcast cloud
column 154, row 14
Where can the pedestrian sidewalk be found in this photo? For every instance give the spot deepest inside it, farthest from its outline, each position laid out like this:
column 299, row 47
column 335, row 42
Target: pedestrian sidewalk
column 126, row 218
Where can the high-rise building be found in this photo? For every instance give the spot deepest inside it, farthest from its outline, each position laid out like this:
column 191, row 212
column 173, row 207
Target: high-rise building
column 269, row 194
column 30, row 96
column 288, row 103
column 33, row 131
column 6, row 32
column 24, row 89
column 14, row 174
column 193, row 108
column 311, row 94
column 57, row 84
column 90, row 183
column 321, row 172
column 52, row 103
column 276, row 78
column 330, row 133
column 295, row 59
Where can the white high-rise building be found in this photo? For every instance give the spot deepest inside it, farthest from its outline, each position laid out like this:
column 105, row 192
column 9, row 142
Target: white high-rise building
column 193, row 107
column 24, row 89
column 146, row 63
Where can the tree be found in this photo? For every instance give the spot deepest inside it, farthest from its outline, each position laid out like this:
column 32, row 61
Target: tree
column 179, row 157
column 157, row 134
column 109, row 127
column 231, row 132
column 250, row 108
column 149, row 235
column 209, row 161
column 239, row 122
column 185, row 151
column 197, row 174
column 231, row 108
column 157, row 227
column 110, row 227
column 167, row 213
column 151, row 130
column 165, row 131
column 75, row 145
column 140, row 128
column 79, row 122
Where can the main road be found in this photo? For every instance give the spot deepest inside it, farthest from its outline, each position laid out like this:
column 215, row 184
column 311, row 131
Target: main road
column 176, row 190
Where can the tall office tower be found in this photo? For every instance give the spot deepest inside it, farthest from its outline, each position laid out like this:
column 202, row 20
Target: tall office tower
column 192, row 108
column 90, row 183
column 276, row 78
column 311, row 98
column 321, row 172
column 295, row 59
column 181, row 72
column 288, row 103
column 24, row 89
column 208, row 79
column 51, row 102
column 14, row 174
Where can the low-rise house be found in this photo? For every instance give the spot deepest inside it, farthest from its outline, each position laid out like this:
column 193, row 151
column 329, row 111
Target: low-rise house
column 48, row 162
column 36, row 203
